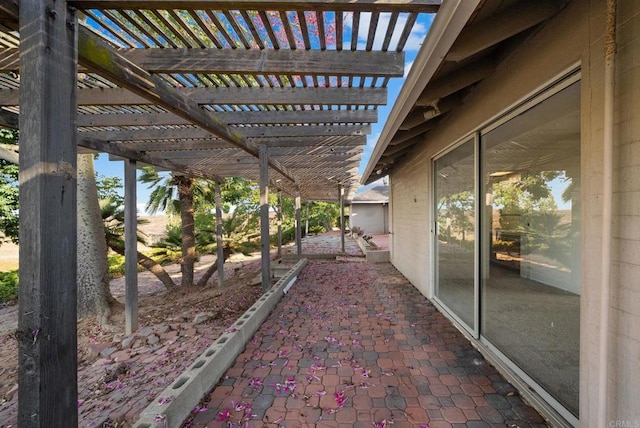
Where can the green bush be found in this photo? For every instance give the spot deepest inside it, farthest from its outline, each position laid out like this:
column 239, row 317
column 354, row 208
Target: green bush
column 317, row 229
column 116, row 265
column 8, row 286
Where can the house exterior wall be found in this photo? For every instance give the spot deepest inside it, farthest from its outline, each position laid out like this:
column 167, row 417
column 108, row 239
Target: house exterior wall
column 372, row 218
column 576, row 35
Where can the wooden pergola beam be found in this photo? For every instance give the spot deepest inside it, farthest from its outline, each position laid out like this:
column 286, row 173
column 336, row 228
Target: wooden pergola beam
column 425, row 6
column 103, row 59
column 268, row 61
column 221, row 144
column 224, row 96
column 123, row 152
column 232, row 118
column 199, row 133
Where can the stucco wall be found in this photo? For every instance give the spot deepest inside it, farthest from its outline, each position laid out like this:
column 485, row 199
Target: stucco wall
column 372, row 218
column 575, row 35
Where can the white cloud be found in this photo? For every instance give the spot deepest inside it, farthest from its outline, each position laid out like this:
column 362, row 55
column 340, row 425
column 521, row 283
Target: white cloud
column 407, row 69
column 414, row 41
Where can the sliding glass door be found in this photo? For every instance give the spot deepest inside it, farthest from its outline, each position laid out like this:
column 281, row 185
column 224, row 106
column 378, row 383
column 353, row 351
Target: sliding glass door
column 507, row 247
column 456, row 231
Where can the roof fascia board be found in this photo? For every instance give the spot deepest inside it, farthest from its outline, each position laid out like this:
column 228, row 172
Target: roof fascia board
column 445, row 29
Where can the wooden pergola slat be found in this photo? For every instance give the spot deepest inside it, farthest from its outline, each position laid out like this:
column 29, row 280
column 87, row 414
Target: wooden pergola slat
column 232, row 118
column 254, row 131
column 424, row 6
column 96, row 55
column 234, row 96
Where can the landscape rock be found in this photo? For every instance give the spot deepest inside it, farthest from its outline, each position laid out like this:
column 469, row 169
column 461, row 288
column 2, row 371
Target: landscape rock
column 153, row 339
column 96, row 349
column 121, row 356
column 147, row 331
column 162, row 328
column 107, row 352
column 202, row 317
column 10, row 393
column 127, row 342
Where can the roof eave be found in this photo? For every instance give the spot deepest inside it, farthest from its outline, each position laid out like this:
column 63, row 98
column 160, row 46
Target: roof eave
column 445, row 29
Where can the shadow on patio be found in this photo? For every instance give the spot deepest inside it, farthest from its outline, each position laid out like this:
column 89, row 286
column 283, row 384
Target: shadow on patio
column 355, row 344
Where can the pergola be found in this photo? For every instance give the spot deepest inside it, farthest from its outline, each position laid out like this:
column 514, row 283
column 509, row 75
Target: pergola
column 280, row 92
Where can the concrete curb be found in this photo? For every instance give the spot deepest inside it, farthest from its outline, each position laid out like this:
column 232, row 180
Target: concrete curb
column 373, row 256
column 171, row 407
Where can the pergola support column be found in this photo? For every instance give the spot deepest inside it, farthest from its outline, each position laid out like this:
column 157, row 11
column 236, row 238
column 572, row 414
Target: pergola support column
column 219, row 241
column 306, row 223
column 264, row 217
column 47, row 315
column 130, row 247
column 341, row 196
column 279, row 223
column 298, row 225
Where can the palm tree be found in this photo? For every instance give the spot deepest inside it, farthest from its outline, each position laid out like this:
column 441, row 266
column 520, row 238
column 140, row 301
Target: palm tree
column 163, row 198
column 113, row 218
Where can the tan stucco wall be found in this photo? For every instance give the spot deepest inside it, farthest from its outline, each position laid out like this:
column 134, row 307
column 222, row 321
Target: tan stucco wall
column 575, row 35
column 371, row 218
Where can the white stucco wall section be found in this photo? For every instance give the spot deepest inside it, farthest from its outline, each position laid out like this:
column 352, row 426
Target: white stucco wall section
column 576, row 35
column 372, row 218
column 411, row 213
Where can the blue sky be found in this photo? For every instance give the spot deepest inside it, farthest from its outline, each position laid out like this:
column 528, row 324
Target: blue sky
column 108, row 168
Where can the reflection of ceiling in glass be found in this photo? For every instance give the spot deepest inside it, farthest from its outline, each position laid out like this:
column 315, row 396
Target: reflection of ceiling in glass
column 455, row 170
column 545, row 137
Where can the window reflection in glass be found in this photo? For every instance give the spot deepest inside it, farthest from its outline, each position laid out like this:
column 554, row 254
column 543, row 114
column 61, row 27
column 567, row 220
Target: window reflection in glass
column 455, row 216
column 530, row 247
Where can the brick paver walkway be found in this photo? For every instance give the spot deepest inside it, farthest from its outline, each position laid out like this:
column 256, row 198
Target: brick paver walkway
column 355, row 344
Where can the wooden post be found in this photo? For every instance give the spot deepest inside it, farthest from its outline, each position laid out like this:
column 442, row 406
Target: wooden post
column 47, row 315
column 279, row 224
column 219, row 241
column 130, row 247
column 306, row 226
column 341, row 195
column 264, row 217
column 298, row 224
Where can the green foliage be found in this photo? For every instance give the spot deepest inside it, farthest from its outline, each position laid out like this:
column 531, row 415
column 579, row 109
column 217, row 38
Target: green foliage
column 8, row 286
column 316, row 229
column 325, row 214
column 8, row 192
column 110, row 187
column 169, row 249
column 116, row 265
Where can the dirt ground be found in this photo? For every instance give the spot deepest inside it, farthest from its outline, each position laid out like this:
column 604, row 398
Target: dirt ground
column 118, row 375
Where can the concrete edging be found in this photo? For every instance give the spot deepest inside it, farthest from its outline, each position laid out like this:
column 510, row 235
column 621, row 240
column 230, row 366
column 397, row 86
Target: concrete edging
column 373, row 255
column 173, row 405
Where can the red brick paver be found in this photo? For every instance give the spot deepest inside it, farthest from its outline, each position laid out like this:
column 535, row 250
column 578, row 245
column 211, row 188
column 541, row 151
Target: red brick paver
column 355, row 344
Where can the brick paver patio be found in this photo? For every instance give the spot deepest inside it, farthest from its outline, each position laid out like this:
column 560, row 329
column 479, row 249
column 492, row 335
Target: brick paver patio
column 356, row 345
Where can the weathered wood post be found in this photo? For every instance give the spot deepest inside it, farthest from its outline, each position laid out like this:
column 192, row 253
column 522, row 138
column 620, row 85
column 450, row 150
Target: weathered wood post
column 341, row 196
column 47, row 320
column 298, row 224
column 219, row 241
column 306, row 224
column 130, row 247
column 279, row 223
column 264, row 217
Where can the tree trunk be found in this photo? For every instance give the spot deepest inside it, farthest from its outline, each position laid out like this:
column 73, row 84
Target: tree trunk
column 94, row 295
column 149, row 264
column 185, row 193
column 213, row 268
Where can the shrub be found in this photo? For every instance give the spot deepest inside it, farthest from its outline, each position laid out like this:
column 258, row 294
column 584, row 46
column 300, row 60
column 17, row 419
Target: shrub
column 8, row 286
column 116, row 266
